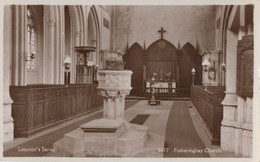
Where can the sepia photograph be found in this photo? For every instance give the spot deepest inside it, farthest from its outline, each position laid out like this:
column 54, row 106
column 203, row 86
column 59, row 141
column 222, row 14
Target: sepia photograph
column 94, row 80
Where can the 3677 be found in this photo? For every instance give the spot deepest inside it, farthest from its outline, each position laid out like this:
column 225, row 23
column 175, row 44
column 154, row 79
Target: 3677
column 163, row 149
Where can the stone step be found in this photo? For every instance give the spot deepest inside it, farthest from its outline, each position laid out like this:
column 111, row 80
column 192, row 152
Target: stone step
column 132, row 140
column 153, row 144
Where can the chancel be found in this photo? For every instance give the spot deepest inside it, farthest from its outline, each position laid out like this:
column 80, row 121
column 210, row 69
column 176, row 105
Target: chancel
column 129, row 80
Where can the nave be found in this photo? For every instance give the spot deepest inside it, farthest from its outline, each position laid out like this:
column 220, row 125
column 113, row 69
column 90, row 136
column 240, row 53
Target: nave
column 64, row 61
column 175, row 130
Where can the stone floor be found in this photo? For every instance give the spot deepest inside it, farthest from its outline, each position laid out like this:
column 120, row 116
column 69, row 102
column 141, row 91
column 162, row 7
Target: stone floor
column 157, row 125
column 156, row 122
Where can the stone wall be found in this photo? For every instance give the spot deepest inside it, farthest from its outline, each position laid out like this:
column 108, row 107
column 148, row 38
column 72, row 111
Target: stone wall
column 103, row 33
column 8, row 126
column 244, row 136
column 185, row 23
column 236, row 129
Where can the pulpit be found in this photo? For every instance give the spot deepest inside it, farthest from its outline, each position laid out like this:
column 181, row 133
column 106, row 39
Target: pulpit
column 85, row 69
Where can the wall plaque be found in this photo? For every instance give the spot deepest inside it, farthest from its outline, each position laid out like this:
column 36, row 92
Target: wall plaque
column 211, row 74
column 106, row 23
column 245, row 66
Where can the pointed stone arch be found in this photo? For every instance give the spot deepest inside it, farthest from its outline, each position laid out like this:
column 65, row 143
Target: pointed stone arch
column 133, row 54
column 93, row 33
column 162, row 50
column 75, row 25
column 226, row 17
column 134, row 59
column 162, row 56
column 79, row 18
column 189, row 58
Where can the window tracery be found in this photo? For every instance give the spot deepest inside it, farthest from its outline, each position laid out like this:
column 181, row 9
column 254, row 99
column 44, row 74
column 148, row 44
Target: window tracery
column 31, row 44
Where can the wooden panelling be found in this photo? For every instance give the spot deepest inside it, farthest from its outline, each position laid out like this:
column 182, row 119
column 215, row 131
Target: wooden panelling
column 40, row 114
column 19, row 113
column 31, row 112
column 20, row 97
column 37, row 107
column 208, row 104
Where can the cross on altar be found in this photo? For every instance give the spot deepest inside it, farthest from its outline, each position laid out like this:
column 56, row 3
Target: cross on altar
column 161, row 31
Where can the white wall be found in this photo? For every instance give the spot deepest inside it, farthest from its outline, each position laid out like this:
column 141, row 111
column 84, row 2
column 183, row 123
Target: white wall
column 182, row 23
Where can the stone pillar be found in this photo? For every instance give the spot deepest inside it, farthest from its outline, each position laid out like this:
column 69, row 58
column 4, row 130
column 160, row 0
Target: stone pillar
column 77, row 38
column 19, row 49
column 54, row 38
column 247, row 126
column 50, row 38
column 229, row 103
column 8, row 126
column 114, row 86
column 60, row 52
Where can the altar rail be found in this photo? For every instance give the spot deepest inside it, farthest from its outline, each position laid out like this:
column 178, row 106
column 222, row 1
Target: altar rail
column 36, row 107
column 208, row 104
column 160, row 93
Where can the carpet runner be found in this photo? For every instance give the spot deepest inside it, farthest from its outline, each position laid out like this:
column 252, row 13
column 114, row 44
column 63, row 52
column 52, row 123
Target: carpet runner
column 181, row 138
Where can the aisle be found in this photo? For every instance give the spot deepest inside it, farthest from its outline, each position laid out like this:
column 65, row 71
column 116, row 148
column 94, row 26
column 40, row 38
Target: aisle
column 181, row 138
column 171, row 132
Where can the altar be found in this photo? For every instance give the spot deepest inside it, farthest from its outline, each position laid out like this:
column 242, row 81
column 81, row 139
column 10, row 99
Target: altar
column 162, row 84
column 172, row 65
column 162, row 87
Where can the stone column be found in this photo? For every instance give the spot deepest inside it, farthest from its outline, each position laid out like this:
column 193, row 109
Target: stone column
column 51, row 50
column 8, row 126
column 19, row 49
column 114, row 86
column 50, row 44
column 230, row 101
column 59, row 53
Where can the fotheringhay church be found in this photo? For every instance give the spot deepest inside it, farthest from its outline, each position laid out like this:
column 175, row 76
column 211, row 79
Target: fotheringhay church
column 128, row 80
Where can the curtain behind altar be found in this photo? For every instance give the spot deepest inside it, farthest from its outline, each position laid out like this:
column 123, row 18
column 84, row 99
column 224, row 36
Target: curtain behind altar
column 163, row 67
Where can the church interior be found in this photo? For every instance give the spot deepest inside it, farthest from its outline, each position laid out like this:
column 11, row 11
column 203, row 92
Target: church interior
column 128, row 81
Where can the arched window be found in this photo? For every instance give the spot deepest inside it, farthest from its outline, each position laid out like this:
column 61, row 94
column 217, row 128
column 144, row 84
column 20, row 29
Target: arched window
column 92, row 39
column 67, row 31
column 31, row 34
